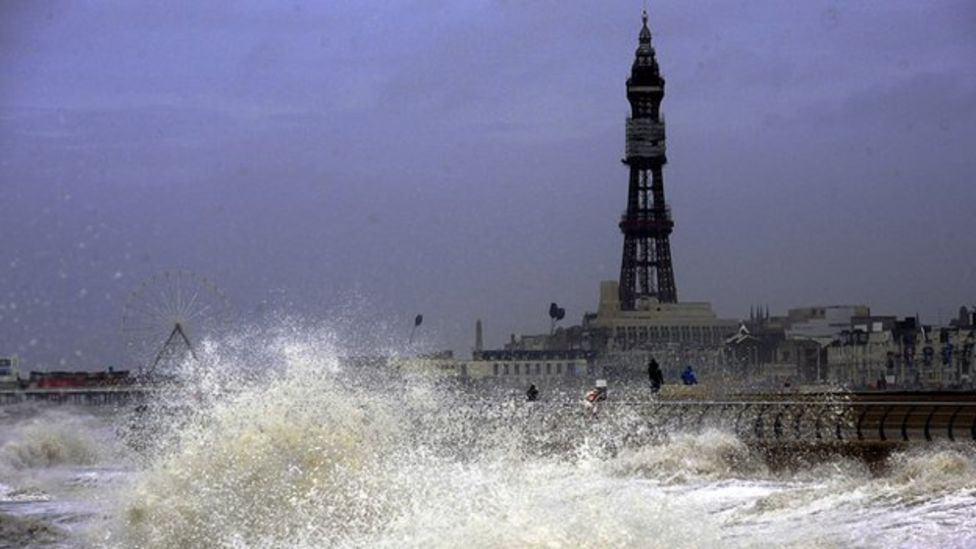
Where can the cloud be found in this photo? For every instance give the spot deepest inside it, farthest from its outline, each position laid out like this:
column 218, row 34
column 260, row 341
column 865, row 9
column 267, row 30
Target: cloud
column 462, row 158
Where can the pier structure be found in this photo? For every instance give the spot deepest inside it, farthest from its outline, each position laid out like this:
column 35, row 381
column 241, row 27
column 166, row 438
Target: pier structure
column 79, row 396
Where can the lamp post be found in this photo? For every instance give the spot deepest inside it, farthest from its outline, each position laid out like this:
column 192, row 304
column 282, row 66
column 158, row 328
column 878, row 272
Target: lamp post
column 819, row 375
column 417, row 321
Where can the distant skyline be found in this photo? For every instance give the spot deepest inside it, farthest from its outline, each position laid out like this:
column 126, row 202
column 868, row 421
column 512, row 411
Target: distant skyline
column 376, row 160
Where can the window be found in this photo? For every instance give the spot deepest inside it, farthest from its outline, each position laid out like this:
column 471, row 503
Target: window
column 559, row 369
column 506, row 369
column 548, row 368
column 496, row 368
column 538, row 368
column 518, row 369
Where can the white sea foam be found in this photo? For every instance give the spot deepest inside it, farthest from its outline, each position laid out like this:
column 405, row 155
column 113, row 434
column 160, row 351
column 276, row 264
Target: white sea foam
column 920, row 475
column 711, row 455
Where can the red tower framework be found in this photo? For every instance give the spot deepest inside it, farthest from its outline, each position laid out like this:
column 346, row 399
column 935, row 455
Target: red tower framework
column 645, row 271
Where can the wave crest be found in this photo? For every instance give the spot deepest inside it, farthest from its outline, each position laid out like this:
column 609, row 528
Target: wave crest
column 708, row 455
column 53, row 438
column 930, row 472
column 294, row 458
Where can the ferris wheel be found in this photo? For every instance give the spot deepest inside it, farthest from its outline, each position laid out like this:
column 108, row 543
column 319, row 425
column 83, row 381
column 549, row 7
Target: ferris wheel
column 168, row 315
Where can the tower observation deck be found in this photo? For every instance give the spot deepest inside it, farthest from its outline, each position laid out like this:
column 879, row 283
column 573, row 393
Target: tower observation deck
column 646, row 274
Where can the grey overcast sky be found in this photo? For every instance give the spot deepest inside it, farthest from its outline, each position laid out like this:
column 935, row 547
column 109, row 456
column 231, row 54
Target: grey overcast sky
column 462, row 159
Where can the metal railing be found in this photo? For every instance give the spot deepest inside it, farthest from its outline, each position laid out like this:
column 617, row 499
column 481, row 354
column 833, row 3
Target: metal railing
column 812, row 421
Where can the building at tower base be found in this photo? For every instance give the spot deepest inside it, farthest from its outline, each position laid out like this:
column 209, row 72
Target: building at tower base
column 653, row 324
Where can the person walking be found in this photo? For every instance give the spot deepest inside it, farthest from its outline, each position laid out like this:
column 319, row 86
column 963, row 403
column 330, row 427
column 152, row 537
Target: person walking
column 655, row 376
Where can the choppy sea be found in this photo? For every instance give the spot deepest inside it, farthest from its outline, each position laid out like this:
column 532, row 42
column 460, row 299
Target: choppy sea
column 305, row 454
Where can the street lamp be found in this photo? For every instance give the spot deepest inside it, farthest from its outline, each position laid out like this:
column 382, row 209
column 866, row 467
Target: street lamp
column 417, row 321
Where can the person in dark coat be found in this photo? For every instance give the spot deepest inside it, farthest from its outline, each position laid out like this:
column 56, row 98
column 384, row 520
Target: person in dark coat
column 688, row 376
column 655, row 376
column 532, row 394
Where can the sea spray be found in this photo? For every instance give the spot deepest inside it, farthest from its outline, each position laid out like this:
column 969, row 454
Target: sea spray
column 296, row 456
column 313, row 452
column 541, row 503
column 53, row 437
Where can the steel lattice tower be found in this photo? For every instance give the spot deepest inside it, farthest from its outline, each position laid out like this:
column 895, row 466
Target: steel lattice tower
column 646, row 271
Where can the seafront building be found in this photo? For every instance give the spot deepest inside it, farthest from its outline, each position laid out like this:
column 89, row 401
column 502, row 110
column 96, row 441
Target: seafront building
column 823, row 324
column 809, row 346
column 885, row 352
column 439, row 364
column 9, row 374
column 653, row 324
column 523, row 367
column 845, row 345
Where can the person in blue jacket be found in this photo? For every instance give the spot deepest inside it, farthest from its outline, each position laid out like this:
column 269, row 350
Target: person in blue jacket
column 688, row 376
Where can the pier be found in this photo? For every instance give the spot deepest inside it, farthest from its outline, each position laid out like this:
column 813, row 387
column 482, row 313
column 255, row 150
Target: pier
column 86, row 396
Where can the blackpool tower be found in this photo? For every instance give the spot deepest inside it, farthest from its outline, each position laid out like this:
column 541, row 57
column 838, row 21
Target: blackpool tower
column 646, row 274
